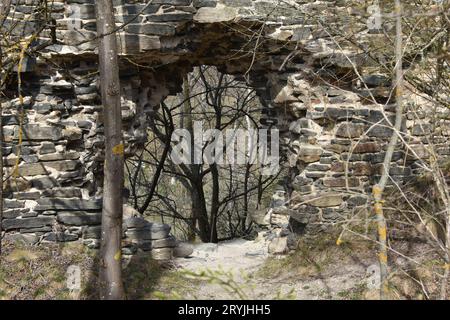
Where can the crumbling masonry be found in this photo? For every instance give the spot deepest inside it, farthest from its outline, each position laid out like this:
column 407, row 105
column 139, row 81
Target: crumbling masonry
column 333, row 137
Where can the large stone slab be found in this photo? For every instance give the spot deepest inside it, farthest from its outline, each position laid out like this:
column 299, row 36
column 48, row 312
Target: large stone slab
column 60, row 237
column 220, row 13
column 79, row 218
column 153, row 232
column 27, row 223
column 38, row 132
column 68, row 204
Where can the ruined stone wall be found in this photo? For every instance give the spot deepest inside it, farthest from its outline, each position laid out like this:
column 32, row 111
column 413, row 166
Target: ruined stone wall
column 333, row 137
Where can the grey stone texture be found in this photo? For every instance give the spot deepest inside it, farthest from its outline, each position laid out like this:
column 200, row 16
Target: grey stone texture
column 326, row 131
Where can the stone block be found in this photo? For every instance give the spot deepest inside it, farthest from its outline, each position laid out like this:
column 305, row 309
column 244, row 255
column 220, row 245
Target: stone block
column 27, row 223
column 68, row 204
column 79, row 218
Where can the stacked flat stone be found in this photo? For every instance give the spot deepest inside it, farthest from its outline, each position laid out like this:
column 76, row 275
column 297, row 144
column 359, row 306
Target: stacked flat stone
column 333, row 139
column 149, row 236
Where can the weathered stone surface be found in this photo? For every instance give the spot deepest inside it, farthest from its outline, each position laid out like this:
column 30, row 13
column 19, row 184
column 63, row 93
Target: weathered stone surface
column 38, row 132
column 79, row 218
column 16, row 184
column 220, row 13
column 72, row 133
column 43, row 182
column 367, row 147
column 32, row 169
column 136, row 222
column 13, row 203
column 204, row 3
column 170, row 16
column 14, row 213
column 153, row 232
column 168, row 242
column 320, row 122
column 183, row 250
column 362, row 169
column 173, row 2
column 27, row 223
column 60, row 237
column 62, row 193
column 162, row 254
column 59, row 156
column 309, row 153
column 159, row 29
column 68, row 204
column 22, row 238
column 357, row 201
column 318, row 200
column 27, row 195
column 92, row 232
column 67, row 165
column 341, row 182
column 350, row 130
column 278, row 246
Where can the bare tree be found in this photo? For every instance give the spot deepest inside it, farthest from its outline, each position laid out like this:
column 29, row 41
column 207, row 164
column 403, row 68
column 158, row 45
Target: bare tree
column 4, row 9
column 111, row 285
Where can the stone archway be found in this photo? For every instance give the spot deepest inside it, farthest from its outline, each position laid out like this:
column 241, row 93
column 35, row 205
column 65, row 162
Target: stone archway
column 333, row 139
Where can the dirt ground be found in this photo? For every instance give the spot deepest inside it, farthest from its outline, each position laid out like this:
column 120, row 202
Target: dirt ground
column 240, row 268
column 235, row 269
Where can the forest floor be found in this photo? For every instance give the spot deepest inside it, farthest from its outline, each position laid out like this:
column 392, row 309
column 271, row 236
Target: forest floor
column 243, row 269
column 236, row 269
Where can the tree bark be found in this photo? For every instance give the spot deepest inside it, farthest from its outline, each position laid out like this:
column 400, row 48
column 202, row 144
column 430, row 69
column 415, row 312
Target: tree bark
column 4, row 10
column 379, row 188
column 214, row 202
column 111, row 285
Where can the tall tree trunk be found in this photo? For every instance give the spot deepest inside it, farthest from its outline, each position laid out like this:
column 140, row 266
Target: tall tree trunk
column 4, row 10
column 1, row 169
column 111, row 286
column 214, row 202
column 186, row 123
column 246, row 196
column 379, row 188
column 200, row 211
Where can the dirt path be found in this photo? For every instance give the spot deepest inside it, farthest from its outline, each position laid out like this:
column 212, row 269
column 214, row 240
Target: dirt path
column 238, row 261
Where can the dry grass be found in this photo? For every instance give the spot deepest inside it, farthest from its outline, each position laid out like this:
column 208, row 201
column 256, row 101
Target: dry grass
column 30, row 272
column 317, row 255
column 320, row 258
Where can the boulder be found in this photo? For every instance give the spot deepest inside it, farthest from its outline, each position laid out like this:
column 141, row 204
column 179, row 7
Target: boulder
column 279, row 246
column 182, row 250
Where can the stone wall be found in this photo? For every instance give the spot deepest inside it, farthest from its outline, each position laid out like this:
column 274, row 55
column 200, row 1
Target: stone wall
column 333, row 136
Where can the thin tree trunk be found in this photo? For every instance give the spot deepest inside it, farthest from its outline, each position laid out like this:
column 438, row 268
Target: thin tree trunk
column 111, row 285
column 155, row 180
column 379, row 188
column 200, row 212
column 214, row 202
column 4, row 10
column 246, row 196
column 1, row 168
column 186, row 122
